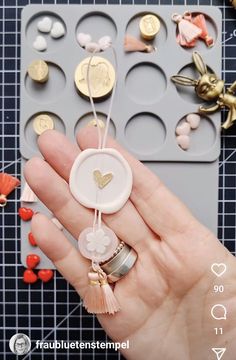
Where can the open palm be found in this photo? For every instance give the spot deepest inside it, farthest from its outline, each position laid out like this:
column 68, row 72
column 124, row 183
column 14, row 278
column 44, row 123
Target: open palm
column 166, row 298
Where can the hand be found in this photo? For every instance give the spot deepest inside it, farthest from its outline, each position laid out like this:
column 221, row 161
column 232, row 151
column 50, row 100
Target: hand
column 166, row 298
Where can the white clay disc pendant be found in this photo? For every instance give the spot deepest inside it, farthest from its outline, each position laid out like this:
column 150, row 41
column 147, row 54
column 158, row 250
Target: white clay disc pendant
column 98, row 244
column 101, row 179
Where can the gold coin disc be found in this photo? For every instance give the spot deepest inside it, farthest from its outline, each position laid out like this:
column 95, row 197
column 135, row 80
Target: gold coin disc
column 93, row 122
column 149, row 26
column 38, row 71
column 42, row 123
column 101, row 77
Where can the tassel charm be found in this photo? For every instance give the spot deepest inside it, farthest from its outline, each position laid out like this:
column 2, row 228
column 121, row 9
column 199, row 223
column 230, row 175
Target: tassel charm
column 200, row 22
column 132, row 44
column 7, row 184
column 187, row 31
column 99, row 298
column 28, row 195
column 111, row 305
column 93, row 299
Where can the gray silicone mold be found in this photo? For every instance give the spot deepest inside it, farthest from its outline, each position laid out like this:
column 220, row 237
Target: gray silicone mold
column 147, row 106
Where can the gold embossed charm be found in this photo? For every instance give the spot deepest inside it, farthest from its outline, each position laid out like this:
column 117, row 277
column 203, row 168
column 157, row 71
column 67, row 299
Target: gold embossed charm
column 101, row 77
column 42, row 123
column 93, row 122
column 149, row 26
column 102, row 180
column 38, row 71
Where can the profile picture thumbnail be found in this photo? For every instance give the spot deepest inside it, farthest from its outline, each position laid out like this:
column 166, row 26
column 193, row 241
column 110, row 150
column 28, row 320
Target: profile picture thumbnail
column 20, row 344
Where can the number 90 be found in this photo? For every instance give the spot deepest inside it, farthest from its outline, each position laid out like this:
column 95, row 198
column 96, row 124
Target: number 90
column 219, row 288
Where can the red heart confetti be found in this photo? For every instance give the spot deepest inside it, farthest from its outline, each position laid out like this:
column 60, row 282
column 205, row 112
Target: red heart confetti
column 45, row 275
column 29, row 276
column 32, row 260
column 26, row 214
column 32, row 239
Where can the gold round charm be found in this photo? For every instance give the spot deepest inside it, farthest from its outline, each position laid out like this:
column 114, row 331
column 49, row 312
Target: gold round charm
column 94, row 123
column 101, row 77
column 38, row 71
column 42, row 123
column 149, row 26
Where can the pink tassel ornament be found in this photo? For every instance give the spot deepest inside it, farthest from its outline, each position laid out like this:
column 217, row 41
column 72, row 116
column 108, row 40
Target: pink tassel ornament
column 187, row 31
column 131, row 44
column 28, row 195
column 111, row 305
column 93, row 299
column 99, row 298
column 7, row 184
column 200, row 22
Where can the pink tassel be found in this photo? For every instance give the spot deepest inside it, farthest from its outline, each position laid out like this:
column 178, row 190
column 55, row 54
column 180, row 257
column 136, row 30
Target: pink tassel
column 7, row 184
column 200, row 22
column 99, row 298
column 187, row 32
column 110, row 302
column 93, row 299
column 28, row 195
column 133, row 44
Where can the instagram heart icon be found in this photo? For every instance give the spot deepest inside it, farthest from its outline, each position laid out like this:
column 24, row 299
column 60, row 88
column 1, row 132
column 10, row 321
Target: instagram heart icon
column 218, row 269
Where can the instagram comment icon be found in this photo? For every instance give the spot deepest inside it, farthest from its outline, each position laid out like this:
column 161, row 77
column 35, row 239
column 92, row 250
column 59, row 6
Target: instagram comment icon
column 219, row 312
column 20, row 344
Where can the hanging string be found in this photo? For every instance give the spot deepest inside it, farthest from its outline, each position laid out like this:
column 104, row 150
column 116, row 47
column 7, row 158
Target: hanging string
column 101, row 140
column 92, row 102
column 99, row 297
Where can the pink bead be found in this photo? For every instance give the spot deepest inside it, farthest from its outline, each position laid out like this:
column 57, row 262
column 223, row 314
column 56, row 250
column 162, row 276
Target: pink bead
column 93, row 276
column 183, row 141
column 193, row 120
column 183, row 129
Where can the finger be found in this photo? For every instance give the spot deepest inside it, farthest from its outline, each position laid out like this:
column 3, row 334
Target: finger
column 61, row 252
column 58, row 151
column 54, row 192
column 160, row 208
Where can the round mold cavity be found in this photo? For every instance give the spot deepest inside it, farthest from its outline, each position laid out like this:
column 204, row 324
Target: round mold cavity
column 188, row 92
column 146, row 83
column 48, row 91
column 145, row 133
column 86, row 118
column 203, row 138
column 132, row 28
column 32, row 32
column 97, row 24
column 31, row 136
column 200, row 43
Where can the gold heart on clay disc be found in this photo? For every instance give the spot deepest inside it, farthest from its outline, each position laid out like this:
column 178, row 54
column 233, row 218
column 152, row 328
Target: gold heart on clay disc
column 102, row 180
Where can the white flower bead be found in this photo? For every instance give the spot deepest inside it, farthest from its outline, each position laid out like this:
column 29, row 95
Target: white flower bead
column 97, row 241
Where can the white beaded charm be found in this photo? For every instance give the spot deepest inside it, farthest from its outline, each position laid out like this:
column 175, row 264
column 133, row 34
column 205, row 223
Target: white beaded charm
column 92, row 47
column 83, row 39
column 105, row 42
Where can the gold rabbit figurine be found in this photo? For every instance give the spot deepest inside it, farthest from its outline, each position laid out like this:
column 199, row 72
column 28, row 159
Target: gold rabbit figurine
column 210, row 88
column 233, row 3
